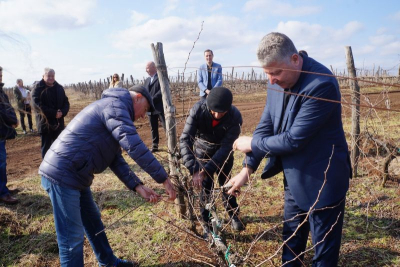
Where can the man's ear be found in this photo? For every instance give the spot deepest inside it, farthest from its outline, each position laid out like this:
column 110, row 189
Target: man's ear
column 139, row 97
column 295, row 59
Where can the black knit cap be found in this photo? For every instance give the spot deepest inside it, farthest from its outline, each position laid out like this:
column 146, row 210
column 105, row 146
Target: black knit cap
column 219, row 99
column 144, row 92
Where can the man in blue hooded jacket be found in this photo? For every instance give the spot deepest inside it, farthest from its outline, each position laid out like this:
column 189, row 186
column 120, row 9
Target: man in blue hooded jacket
column 92, row 142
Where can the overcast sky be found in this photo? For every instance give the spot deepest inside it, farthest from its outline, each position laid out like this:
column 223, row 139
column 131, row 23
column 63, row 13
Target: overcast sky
column 90, row 39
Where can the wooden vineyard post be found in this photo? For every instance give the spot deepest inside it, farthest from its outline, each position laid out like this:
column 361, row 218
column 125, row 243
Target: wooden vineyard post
column 169, row 111
column 355, row 110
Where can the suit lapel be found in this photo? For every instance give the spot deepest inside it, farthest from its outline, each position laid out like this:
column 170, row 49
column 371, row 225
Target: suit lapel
column 279, row 107
column 287, row 111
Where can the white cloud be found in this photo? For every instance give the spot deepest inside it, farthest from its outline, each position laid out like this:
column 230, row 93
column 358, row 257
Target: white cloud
column 119, row 56
column 302, row 33
column 396, row 16
column 306, row 34
column 178, row 34
column 392, row 48
column 216, row 7
column 366, row 49
column 382, row 39
column 280, row 8
column 170, row 6
column 381, row 30
column 39, row 16
column 350, row 29
column 137, row 17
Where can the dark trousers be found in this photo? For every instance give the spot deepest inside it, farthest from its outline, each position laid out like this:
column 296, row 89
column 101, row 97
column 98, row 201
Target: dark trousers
column 27, row 110
column 48, row 139
column 154, row 127
column 3, row 169
column 319, row 223
column 229, row 201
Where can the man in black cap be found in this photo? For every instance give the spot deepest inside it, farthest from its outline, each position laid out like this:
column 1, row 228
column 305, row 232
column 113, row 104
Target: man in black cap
column 206, row 148
column 92, row 142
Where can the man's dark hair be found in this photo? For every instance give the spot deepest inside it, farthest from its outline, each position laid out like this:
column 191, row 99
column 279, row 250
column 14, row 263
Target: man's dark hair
column 209, row 50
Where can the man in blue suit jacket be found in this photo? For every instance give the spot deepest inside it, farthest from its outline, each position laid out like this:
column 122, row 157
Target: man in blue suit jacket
column 301, row 133
column 204, row 79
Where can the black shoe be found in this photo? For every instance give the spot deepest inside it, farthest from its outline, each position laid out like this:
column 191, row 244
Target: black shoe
column 237, row 224
column 154, row 149
column 14, row 191
column 125, row 263
column 8, row 199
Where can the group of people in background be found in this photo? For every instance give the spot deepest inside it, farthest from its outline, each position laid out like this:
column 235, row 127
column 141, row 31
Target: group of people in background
column 51, row 105
column 299, row 133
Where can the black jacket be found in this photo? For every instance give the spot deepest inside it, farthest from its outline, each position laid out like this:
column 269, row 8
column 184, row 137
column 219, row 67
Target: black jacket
column 200, row 139
column 155, row 92
column 7, row 117
column 46, row 101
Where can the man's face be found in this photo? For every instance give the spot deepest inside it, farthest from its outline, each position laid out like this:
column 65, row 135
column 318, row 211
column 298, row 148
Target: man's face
column 283, row 74
column 49, row 78
column 209, row 57
column 218, row 115
column 1, row 76
column 151, row 69
column 140, row 106
column 20, row 83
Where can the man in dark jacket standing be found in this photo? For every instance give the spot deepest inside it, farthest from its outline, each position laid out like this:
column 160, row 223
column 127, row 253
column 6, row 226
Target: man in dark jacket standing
column 51, row 106
column 206, row 148
column 301, row 132
column 8, row 123
column 90, row 143
column 153, row 86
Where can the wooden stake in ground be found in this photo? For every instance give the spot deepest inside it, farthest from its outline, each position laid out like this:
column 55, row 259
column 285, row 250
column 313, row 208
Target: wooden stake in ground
column 355, row 110
column 169, row 111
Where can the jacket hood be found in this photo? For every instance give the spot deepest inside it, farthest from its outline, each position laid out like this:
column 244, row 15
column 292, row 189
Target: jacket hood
column 123, row 95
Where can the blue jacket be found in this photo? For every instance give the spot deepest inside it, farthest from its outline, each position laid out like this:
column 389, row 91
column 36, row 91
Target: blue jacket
column 92, row 142
column 202, row 77
column 312, row 133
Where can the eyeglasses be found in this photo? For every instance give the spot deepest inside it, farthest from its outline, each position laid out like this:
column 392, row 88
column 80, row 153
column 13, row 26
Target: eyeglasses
column 115, row 77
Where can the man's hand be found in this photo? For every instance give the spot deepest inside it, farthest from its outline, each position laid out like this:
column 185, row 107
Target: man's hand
column 197, row 179
column 239, row 180
column 147, row 194
column 59, row 114
column 207, row 91
column 15, row 125
column 170, row 189
column 243, row 144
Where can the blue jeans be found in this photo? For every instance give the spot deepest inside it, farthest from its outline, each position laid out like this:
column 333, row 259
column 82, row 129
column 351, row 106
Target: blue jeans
column 76, row 214
column 3, row 171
